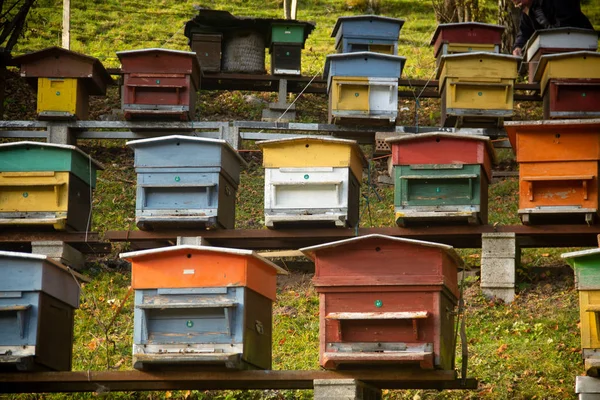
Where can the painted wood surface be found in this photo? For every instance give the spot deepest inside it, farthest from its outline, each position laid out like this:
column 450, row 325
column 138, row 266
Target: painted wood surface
column 287, row 33
column 208, row 50
column 572, row 98
column 286, row 59
column 62, row 98
column 568, row 39
column 462, row 95
column 578, row 65
column 362, row 64
column 369, row 27
column 353, row 45
column 477, row 67
column 466, row 33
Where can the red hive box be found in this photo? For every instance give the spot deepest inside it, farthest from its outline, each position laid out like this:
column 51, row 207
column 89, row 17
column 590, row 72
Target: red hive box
column 385, row 301
column 475, row 33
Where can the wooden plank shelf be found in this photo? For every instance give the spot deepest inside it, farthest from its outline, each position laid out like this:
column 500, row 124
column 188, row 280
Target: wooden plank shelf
column 20, row 240
column 113, row 381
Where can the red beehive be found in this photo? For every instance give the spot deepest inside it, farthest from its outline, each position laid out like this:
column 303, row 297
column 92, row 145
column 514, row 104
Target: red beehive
column 385, row 301
column 159, row 83
column 475, row 33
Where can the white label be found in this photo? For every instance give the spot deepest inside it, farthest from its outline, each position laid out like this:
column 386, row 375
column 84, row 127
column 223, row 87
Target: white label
column 189, row 271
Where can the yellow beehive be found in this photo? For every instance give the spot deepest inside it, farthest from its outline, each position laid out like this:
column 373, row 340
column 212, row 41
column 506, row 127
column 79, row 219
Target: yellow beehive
column 575, row 65
column 350, row 93
column 453, row 48
column 61, row 97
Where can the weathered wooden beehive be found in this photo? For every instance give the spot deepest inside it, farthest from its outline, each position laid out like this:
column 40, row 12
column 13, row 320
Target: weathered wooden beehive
column 558, row 169
column 385, row 301
column 314, row 181
column 185, row 182
column 466, row 37
column 207, row 47
column 38, row 297
column 586, row 264
column 570, row 84
column 367, row 33
column 159, row 83
column 203, row 306
column 553, row 41
column 46, row 184
column 476, row 88
column 64, row 80
column 363, row 87
column 441, row 177
column 286, row 42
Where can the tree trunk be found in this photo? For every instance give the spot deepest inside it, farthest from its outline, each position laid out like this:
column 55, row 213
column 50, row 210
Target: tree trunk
column 508, row 16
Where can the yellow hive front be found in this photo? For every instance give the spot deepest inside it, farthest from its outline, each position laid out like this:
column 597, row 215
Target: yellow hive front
column 479, row 67
column 589, row 314
column 470, row 47
column 61, row 97
column 573, row 67
column 350, row 93
column 382, row 48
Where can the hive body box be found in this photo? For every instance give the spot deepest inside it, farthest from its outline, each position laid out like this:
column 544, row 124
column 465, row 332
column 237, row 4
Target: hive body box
column 570, row 84
column 46, row 184
column 363, row 87
column 367, row 33
column 586, row 264
column 441, row 178
column 553, row 41
column 466, row 37
column 159, row 83
column 207, row 47
column 65, row 80
column 385, row 301
column 202, row 306
column 185, row 182
column 285, row 45
column 558, row 169
column 477, row 88
column 38, row 297
column 312, row 181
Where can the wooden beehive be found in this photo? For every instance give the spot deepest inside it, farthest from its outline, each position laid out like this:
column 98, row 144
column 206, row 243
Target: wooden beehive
column 363, row 87
column 466, row 37
column 441, row 177
column 371, row 314
column 185, row 182
column 586, row 264
column 312, row 181
column 476, row 88
column 64, row 80
column 570, row 84
column 46, row 184
column 367, row 33
column 207, row 47
column 202, row 306
column 159, row 83
column 558, row 169
column 286, row 41
column 38, row 297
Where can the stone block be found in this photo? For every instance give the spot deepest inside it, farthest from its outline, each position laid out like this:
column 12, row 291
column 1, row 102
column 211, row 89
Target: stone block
column 499, row 245
column 59, row 251
column 344, row 389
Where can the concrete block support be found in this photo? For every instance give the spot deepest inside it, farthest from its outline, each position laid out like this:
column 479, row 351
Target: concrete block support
column 344, row 389
column 280, row 111
column 192, row 241
column 500, row 256
column 60, row 134
column 587, row 388
column 59, row 251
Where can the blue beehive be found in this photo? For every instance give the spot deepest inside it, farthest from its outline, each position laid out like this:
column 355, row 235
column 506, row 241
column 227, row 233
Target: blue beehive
column 38, row 297
column 367, row 33
column 185, row 181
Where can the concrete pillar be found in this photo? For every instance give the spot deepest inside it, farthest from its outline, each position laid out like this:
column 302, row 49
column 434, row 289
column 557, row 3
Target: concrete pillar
column 59, row 251
column 500, row 256
column 192, row 241
column 587, row 388
column 60, row 134
column 231, row 134
column 275, row 111
column 344, row 389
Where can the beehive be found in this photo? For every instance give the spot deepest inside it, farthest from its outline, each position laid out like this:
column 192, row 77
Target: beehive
column 476, row 88
column 558, row 169
column 312, row 181
column 371, row 314
column 185, row 182
column 207, row 47
column 466, row 37
column 202, row 306
column 570, row 84
column 46, row 184
column 38, row 297
column 441, row 177
column 286, row 42
column 159, row 83
column 363, row 87
column 586, row 264
column 367, row 33
column 64, row 80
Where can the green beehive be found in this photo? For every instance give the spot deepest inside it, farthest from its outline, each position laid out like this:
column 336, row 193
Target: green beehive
column 287, row 33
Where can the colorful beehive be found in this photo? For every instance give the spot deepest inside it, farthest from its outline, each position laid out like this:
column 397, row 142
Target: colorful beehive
column 185, row 182
column 570, row 84
column 476, row 88
column 159, row 83
column 207, row 47
column 558, row 169
column 586, row 264
column 46, row 184
column 553, row 41
column 64, row 80
column 466, row 37
column 386, row 301
column 363, row 87
column 200, row 305
column 367, row 33
column 441, row 177
column 38, row 297
column 286, row 44
column 312, row 181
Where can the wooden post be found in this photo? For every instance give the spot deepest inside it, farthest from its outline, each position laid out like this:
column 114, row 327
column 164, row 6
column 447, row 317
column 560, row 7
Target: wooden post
column 66, row 32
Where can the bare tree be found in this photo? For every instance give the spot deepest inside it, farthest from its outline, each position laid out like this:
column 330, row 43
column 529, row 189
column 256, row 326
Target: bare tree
column 449, row 11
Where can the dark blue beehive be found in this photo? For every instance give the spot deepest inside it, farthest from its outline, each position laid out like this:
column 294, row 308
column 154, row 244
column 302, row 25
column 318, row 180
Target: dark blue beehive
column 367, row 33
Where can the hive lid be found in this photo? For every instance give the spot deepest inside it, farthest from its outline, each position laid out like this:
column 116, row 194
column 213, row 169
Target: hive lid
column 362, row 54
column 224, row 143
column 533, row 45
column 544, row 60
column 570, row 257
column 475, row 54
column 308, row 27
column 153, row 49
column 239, row 252
column 97, row 164
column 460, row 25
column 31, row 256
column 340, row 20
column 311, row 251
